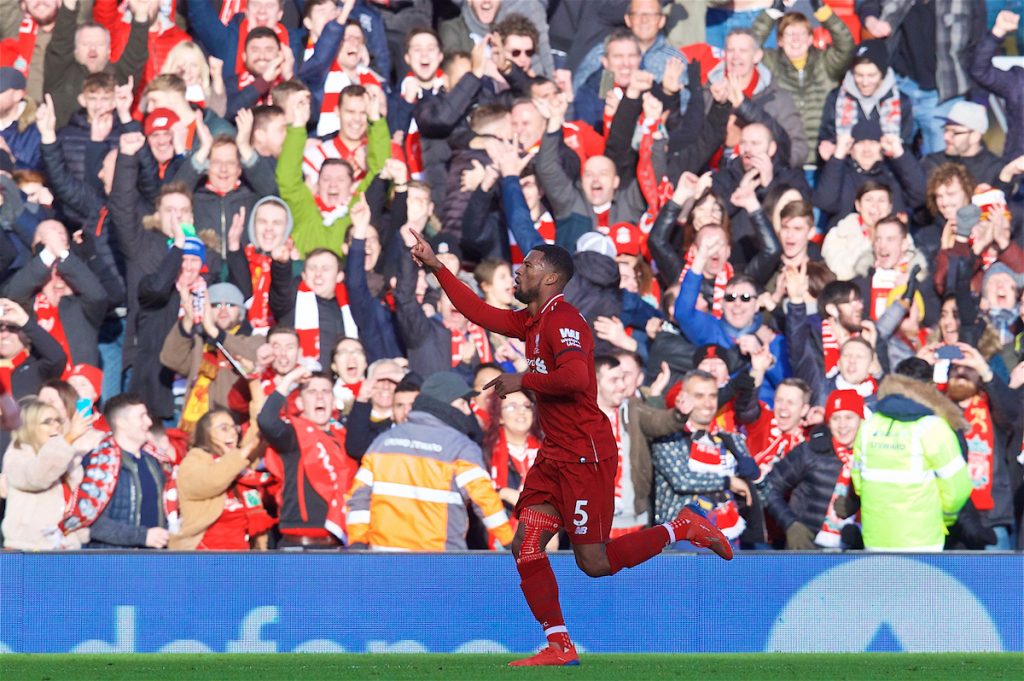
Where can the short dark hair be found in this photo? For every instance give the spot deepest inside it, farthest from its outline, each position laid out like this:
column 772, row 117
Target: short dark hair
column 517, row 24
column 742, row 278
column 604, row 362
column 118, row 403
column 559, row 260
column 873, row 186
column 310, row 4
column 801, row 208
column 896, row 220
column 916, row 368
column 419, row 30
column 800, row 384
column 350, row 91
column 837, row 292
column 314, row 376
column 338, row 162
column 261, row 32
column 280, row 330
column 262, row 115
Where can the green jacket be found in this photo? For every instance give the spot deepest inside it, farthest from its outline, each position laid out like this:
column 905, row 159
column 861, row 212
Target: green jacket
column 909, row 470
column 310, row 232
column 821, row 73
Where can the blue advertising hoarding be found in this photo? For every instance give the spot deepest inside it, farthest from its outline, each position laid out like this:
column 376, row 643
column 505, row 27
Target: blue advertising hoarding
column 279, row 602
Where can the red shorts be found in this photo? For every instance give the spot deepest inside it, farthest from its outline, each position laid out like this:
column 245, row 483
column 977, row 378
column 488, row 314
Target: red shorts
column 582, row 493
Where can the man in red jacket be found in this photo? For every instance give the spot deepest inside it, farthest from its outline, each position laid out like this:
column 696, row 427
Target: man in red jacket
column 572, row 483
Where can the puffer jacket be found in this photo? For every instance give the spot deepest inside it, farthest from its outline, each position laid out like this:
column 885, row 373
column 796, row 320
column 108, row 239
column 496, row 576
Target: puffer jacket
column 807, row 478
column 822, row 72
column 119, row 526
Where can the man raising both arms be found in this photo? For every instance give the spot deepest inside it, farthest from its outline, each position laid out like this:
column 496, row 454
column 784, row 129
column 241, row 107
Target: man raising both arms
column 572, row 482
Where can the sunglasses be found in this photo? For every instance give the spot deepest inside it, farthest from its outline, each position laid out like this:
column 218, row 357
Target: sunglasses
column 517, row 53
column 732, row 297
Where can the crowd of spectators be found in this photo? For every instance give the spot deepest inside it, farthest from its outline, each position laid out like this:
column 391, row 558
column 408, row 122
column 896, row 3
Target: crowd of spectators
column 796, row 227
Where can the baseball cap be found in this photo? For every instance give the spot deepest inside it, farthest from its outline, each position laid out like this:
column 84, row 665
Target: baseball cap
column 159, row 119
column 627, row 237
column 11, row 79
column 844, row 400
column 446, row 386
column 225, row 292
column 595, row 242
column 967, row 114
column 444, row 243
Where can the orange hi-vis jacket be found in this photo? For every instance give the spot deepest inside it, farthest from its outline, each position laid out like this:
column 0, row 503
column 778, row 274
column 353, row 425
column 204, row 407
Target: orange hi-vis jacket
column 413, row 487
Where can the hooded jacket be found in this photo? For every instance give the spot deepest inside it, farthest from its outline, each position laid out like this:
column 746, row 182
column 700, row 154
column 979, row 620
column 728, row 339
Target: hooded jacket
column 867, row 107
column 908, row 468
column 238, row 263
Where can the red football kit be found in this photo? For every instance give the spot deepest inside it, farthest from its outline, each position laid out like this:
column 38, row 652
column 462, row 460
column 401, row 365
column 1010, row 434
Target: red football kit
column 576, row 465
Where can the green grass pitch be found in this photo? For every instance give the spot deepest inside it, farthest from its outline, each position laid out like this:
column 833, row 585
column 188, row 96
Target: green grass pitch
column 735, row 667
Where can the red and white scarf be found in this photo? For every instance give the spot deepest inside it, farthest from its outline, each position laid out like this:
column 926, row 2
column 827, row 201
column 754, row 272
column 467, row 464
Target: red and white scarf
column 307, row 319
column 334, row 148
column 721, row 279
column 7, row 367
column 545, row 226
column 229, row 8
column 829, row 534
column 412, row 145
column 259, row 315
column 603, row 214
column 768, row 443
column 980, row 451
column 882, row 284
column 706, row 457
column 505, row 458
column 48, row 317
column 101, row 469
column 478, row 337
column 848, row 113
column 336, row 81
column 244, row 515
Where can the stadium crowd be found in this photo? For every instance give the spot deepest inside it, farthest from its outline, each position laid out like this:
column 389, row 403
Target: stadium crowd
column 795, row 242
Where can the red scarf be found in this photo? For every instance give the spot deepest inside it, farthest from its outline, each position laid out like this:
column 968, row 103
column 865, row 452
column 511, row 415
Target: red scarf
column 829, row 535
column 980, row 450
column 768, row 443
column 101, row 468
column 336, row 81
column 502, row 459
column 243, row 33
column 545, row 227
column 616, row 420
column 7, row 368
column 721, row 279
column 243, row 517
column 48, row 317
column 830, row 347
column 412, row 145
column 334, row 148
column 307, row 319
column 259, row 272
column 883, row 282
column 603, row 216
column 329, row 469
column 475, row 335
column 17, row 52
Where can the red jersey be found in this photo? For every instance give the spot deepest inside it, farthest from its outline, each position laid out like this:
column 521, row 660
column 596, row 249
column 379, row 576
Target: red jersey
column 560, row 353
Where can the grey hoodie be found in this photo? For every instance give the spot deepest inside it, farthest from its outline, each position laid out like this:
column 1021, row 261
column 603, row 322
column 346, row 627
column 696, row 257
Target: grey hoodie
column 251, row 227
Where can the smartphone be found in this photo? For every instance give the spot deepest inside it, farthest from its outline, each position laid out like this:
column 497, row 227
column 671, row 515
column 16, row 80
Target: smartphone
column 84, row 406
column 949, row 352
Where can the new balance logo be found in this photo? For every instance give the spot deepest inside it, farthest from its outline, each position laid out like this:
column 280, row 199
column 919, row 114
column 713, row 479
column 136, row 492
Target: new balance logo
column 581, row 530
column 570, row 337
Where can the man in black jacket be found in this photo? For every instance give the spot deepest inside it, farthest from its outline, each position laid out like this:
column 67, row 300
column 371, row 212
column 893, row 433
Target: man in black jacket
column 803, row 486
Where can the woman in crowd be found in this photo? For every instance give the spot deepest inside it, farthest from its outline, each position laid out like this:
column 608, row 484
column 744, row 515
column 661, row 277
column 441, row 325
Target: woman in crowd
column 219, row 493
column 203, row 79
column 42, row 461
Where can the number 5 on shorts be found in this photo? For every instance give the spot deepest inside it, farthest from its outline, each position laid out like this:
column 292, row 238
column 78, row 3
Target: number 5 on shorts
column 580, row 517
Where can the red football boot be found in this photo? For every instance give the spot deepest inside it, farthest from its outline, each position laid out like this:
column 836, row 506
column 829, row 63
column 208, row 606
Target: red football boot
column 552, row 656
column 698, row 530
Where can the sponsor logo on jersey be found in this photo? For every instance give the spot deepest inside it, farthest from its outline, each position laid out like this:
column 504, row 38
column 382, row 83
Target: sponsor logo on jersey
column 581, row 530
column 570, row 337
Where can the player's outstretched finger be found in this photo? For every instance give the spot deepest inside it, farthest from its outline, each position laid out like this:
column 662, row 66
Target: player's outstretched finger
column 496, row 384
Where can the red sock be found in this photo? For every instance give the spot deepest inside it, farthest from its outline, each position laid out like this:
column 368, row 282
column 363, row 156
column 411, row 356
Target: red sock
column 541, row 591
column 638, row 547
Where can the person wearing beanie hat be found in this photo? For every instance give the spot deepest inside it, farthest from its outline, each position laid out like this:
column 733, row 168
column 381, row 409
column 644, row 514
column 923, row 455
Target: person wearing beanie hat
column 440, row 415
column 87, row 381
column 17, row 121
column 209, row 352
column 868, row 90
column 963, row 128
column 805, row 486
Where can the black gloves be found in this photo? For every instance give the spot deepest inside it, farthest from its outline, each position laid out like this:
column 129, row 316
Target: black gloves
column 908, row 295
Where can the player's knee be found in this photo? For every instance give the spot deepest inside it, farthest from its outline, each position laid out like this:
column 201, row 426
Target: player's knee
column 534, row 530
column 594, row 566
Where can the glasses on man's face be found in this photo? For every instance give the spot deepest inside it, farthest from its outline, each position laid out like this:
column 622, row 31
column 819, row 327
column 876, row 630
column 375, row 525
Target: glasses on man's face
column 743, row 297
column 518, row 53
column 54, row 420
column 952, row 132
column 515, row 407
